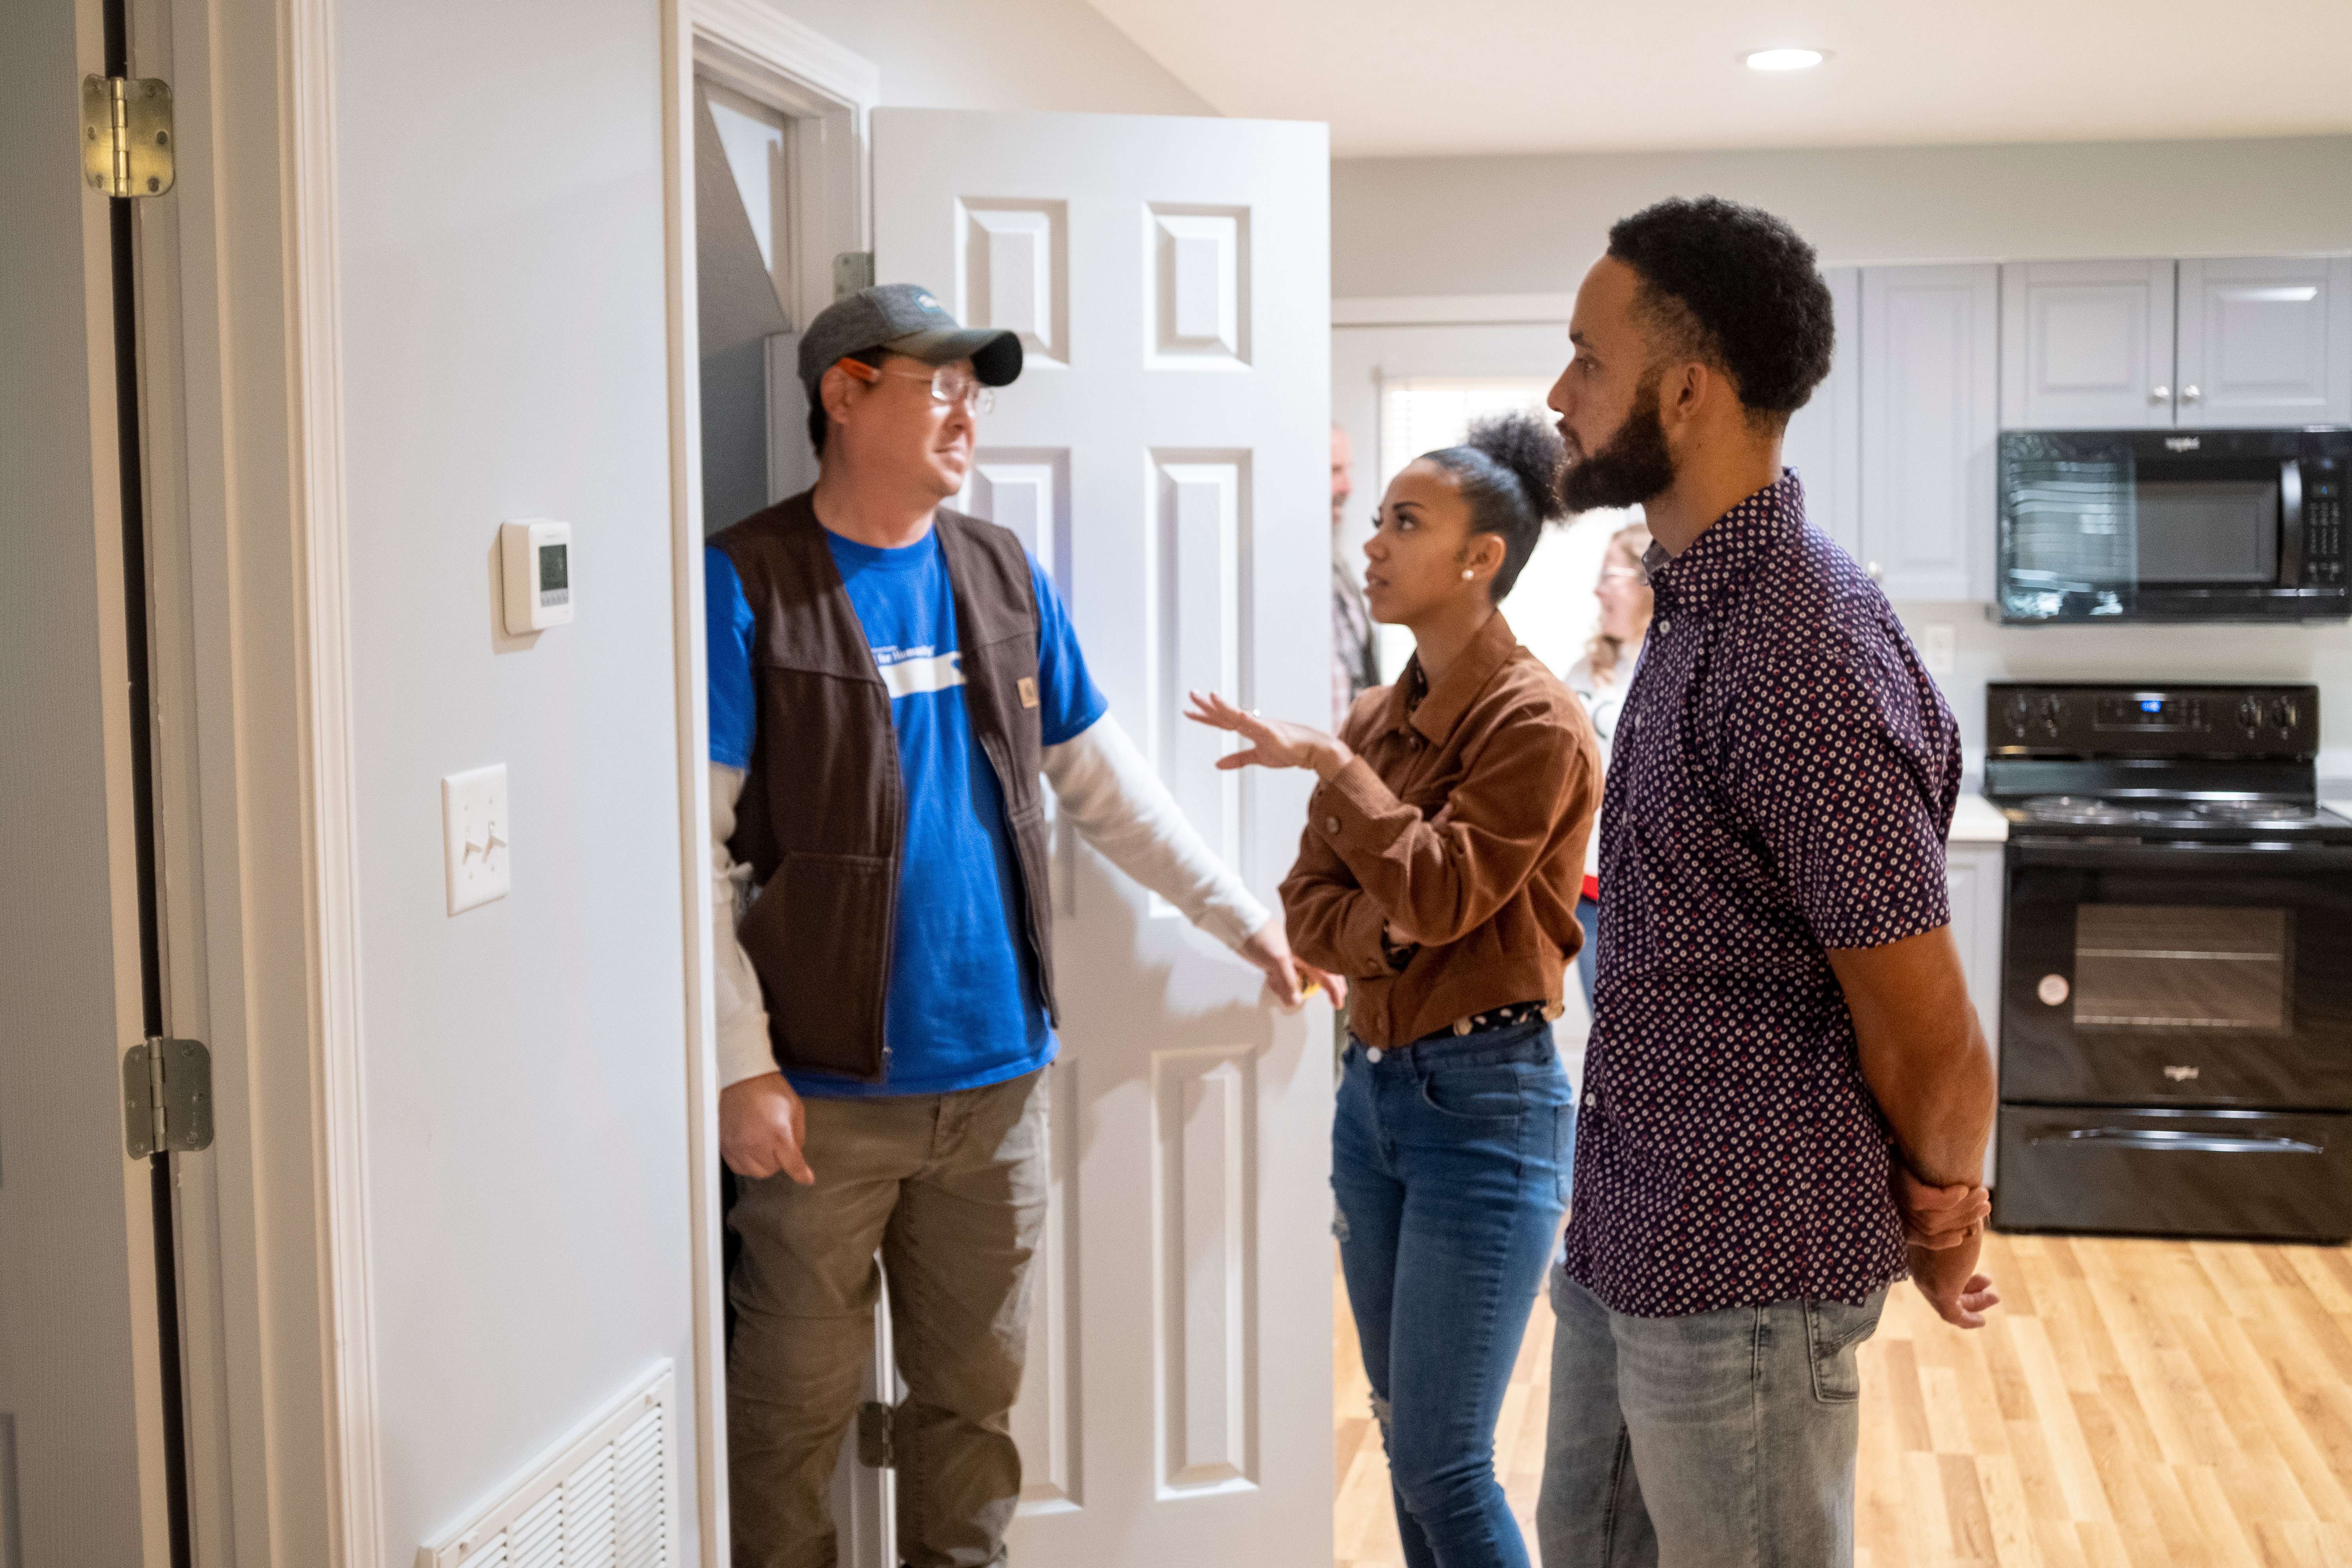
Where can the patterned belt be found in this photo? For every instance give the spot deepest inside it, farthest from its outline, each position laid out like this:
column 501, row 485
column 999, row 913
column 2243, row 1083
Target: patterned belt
column 1509, row 1015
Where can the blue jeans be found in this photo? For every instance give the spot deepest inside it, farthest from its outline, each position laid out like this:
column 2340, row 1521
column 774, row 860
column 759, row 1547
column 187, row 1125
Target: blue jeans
column 1450, row 1162
column 1588, row 957
column 1720, row 1440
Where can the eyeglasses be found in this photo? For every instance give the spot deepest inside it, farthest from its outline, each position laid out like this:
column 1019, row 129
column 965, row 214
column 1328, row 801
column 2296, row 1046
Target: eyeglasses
column 948, row 386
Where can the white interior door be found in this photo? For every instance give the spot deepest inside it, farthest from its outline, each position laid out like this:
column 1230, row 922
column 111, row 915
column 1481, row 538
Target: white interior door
column 1164, row 452
column 81, row 1418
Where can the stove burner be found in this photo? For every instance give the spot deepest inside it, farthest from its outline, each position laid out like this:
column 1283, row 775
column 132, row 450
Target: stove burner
column 2093, row 811
column 2257, row 812
column 2085, row 810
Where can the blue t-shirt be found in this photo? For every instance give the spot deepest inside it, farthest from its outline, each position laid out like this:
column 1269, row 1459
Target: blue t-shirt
column 962, row 1008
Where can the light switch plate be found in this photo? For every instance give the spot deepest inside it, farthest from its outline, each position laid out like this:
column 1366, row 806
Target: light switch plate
column 1936, row 649
column 474, row 837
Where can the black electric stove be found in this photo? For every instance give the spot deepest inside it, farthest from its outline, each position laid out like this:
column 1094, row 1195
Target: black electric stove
column 2176, row 977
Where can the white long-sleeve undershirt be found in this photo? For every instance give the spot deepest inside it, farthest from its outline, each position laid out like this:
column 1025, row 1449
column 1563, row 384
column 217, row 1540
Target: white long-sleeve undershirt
column 1102, row 786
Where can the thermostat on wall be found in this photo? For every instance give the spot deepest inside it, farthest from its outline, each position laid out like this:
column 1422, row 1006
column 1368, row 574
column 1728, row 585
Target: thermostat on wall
column 537, row 566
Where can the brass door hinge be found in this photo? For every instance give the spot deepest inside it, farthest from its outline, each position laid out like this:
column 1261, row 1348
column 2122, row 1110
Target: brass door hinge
column 126, row 135
column 167, row 1097
column 876, row 1449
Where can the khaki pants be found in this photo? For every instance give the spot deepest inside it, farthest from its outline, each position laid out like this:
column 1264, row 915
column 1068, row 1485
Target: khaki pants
column 950, row 1188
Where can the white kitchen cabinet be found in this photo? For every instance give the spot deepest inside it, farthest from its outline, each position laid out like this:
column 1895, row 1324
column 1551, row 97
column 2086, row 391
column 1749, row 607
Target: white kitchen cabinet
column 2265, row 341
column 1973, row 872
column 2086, row 345
column 1930, row 411
column 1823, row 442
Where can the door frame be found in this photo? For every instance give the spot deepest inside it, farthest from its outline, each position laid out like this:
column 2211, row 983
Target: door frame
column 825, row 91
column 255, row 807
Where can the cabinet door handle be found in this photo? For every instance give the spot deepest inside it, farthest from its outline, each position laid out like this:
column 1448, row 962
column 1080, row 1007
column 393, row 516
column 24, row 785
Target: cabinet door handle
column 2160, row 395
column 2189, row 394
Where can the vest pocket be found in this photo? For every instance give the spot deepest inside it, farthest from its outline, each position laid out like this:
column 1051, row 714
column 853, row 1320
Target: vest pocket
column 819, row 936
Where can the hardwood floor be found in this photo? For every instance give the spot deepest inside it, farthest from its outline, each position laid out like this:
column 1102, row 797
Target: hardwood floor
column 2163, row 1405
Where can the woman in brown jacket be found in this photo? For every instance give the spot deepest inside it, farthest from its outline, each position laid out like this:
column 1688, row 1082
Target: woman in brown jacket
column 1438, row 876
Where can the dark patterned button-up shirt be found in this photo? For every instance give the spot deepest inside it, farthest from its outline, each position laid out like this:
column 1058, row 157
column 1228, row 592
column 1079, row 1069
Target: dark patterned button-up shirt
column 1782, row 784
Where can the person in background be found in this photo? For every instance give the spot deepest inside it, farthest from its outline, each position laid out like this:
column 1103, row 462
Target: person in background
column 1786, row 1097
column 1355, row 646
column 1600, row 678
column 1438, row 875
column 888, row 679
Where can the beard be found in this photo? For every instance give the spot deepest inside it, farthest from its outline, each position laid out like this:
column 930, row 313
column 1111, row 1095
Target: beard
column 1631, row 467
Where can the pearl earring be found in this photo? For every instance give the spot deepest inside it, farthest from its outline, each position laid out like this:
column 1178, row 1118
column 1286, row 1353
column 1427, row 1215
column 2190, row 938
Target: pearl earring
column 1467, row 574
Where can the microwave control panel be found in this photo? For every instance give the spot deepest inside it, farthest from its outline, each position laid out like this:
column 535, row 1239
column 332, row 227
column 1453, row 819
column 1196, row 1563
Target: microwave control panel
column 2322, row 523
column 2086, row 720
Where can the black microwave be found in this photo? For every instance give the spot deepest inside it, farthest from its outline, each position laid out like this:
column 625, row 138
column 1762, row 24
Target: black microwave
column 2173, row 525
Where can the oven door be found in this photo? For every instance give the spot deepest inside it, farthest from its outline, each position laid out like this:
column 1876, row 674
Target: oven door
column 2177, row 974
column 2283, row 1175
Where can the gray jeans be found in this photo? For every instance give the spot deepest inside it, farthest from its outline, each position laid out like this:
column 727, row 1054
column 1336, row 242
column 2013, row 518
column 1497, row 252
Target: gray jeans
column 1720, row 1440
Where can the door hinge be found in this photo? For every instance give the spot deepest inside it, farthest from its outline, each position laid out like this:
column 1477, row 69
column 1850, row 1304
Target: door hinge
column 874, row 1447
column 852, row 270
column 126, row 135
column 167, row 1097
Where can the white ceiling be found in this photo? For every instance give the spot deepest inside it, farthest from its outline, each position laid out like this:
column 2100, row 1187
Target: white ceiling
column 1496, row 76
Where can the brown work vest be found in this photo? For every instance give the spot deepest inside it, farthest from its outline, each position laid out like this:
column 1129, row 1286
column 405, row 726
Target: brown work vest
column 823, row 818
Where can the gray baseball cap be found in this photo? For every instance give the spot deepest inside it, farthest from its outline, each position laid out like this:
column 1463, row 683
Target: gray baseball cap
column 905, row 319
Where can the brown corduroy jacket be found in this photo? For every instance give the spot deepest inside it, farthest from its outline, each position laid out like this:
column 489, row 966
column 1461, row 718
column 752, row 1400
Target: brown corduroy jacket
column 1461, row 826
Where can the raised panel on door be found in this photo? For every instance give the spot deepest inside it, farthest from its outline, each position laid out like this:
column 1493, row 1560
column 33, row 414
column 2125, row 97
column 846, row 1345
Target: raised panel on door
column 2086, row 345
column 1823, row 442
column 1930, row 346
column 1164, row 453
column 2266, row 340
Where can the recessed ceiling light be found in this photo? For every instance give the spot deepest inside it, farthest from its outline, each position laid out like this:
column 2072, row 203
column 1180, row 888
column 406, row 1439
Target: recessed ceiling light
column 1784, row 60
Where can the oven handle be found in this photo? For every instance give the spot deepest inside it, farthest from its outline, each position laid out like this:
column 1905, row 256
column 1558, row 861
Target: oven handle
column 2171, row 1142
column 2289, row 523
column 2295, row 860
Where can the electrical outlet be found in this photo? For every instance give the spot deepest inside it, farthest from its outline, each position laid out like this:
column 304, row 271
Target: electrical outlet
column 1937, row 650
column 474, row 837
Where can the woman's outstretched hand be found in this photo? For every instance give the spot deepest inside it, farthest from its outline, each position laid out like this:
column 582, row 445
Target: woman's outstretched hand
column 1273, row 743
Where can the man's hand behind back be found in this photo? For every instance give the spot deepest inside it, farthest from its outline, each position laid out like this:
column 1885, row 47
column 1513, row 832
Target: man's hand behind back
column 1948, row 1277
column 762, row 1128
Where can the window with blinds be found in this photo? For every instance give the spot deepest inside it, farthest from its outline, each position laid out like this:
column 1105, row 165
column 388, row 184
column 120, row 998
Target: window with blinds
column 1420, row 414
column 1551, row 608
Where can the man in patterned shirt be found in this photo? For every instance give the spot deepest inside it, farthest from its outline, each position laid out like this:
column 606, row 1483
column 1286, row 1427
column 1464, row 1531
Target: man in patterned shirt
column 1786, row 1095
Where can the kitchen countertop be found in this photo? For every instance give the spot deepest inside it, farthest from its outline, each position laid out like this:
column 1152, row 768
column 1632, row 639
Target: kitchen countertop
column 2340, row 807
column 1974, row 821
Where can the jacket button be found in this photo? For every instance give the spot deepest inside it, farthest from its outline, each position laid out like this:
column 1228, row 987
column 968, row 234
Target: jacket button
column 1331, row 825
column 1373, row 1055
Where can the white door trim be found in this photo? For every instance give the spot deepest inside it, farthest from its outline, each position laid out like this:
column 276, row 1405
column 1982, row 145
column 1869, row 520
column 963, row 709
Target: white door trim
column 333, row 802
column 769, row 57
column 1450, row 310
column 242, row 360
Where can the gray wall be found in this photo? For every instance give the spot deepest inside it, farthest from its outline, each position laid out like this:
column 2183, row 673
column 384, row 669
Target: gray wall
column 504, row 358
column 1532, row 224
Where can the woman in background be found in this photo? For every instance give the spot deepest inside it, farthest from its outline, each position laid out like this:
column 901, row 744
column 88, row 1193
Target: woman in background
column 1603, row 678
column 1438, row 875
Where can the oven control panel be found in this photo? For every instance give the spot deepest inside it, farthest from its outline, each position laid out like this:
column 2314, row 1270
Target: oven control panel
column 2107, row 718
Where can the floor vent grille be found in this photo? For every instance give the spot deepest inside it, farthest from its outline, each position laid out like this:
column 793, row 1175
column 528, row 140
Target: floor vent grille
column 599, row 1499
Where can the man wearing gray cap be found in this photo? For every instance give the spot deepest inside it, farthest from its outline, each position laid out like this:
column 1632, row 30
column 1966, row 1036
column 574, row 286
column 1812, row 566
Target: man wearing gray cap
column 888, row 680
